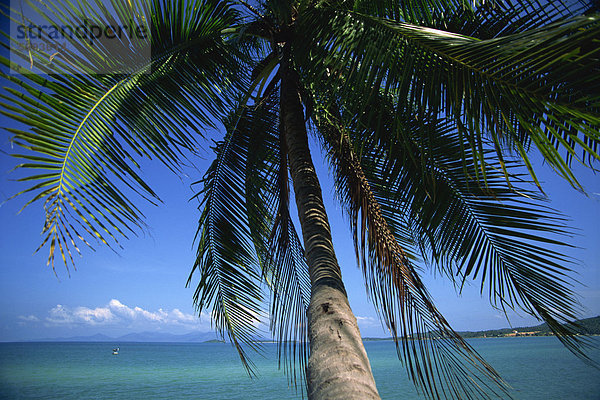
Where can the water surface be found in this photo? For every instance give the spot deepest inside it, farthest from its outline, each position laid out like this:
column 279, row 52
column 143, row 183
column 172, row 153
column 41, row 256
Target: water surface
column 536, row 367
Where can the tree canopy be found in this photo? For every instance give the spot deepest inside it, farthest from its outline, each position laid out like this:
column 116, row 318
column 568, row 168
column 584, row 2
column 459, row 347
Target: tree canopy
column 428, row 111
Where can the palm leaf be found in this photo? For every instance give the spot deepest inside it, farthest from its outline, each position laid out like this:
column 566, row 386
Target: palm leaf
column 81, row 150
column 438, row 360
column 499, row 234
column 491, row 20
column 513, row 89
column 474, row 225
column 254, row 239
column 276, row 240
column 230, row 274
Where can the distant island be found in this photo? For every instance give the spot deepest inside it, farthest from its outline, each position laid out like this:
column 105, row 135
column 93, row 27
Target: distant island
column 141, row 337
column 587, row 326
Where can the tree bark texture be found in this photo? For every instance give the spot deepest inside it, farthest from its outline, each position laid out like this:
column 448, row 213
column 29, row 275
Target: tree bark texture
column 338, row 367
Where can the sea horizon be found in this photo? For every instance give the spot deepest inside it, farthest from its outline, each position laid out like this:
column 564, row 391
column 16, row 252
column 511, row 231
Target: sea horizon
column 588, row 326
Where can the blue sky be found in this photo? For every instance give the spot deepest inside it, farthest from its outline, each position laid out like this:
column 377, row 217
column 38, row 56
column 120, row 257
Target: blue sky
column 142, row 287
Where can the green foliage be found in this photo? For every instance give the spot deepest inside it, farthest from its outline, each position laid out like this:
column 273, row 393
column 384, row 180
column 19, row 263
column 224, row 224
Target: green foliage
column 511, row 90
column 88, row 129
column 587, row 326
column 246, row 237
column 427, row 110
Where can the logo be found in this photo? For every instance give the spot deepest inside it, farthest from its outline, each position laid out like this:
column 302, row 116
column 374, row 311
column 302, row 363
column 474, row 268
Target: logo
column 98, row 37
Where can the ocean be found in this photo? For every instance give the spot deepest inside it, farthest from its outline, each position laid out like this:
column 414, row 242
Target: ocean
column 536, row 367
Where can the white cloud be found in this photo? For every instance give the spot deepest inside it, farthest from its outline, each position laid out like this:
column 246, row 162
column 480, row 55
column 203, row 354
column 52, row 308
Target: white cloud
column 183, row 317
column 117, row 313
column 60, row 315
column 120, row 309
column 96, row 316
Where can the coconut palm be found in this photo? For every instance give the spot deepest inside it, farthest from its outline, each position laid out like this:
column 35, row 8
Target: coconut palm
column 427, row 110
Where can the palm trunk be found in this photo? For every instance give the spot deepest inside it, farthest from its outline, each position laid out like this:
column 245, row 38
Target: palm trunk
column 338, row 367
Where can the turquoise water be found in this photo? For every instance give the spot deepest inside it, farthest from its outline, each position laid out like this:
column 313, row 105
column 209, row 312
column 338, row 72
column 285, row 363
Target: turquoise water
column 536, row 367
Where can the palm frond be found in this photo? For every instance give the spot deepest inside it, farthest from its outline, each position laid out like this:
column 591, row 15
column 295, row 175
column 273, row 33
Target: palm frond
column 469, row 218
column 531, row 87
column 88, row 128
column 491, row 20
column 254, row 240
column 502, row 235
column 230, row 275
column 438, row 360
column 434, row 12
column 274, row 234
column 291, row 283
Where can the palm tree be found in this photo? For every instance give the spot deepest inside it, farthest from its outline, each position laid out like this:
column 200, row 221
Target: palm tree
column 427, row 111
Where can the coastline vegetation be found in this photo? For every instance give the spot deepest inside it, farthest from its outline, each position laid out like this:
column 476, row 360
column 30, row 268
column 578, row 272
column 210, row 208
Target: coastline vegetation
column 586, row 326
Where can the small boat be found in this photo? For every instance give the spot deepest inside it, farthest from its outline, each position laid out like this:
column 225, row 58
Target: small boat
column 116, row 351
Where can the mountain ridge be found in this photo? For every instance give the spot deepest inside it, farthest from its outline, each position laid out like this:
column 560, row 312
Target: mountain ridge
column 140, row 337
column 588, row 326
